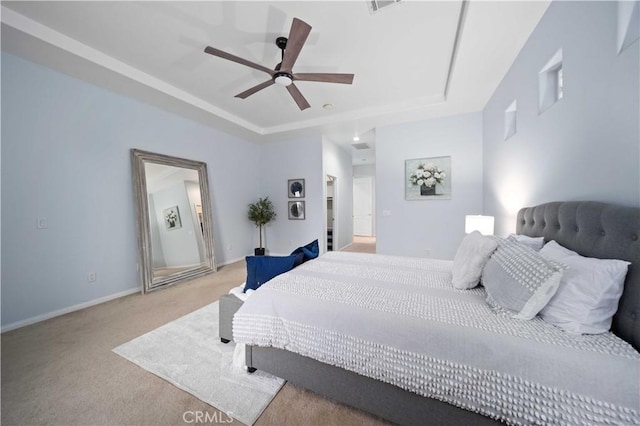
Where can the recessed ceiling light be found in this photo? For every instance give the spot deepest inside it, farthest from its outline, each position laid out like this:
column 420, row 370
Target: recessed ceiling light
column 327, row 106
column 356, row 138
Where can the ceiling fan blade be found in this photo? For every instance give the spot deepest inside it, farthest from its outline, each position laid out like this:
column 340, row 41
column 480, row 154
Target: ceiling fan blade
column 325, row 77
column 297, row 96
column 254, row 89
column 224, row 55
column 297, row 36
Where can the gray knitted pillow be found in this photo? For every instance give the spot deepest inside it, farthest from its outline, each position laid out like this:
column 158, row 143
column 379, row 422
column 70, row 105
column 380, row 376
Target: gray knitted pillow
column 519, row 280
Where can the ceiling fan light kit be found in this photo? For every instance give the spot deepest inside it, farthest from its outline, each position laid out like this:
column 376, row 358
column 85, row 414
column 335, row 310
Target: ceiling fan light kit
column 283, row 78
column 283, row 74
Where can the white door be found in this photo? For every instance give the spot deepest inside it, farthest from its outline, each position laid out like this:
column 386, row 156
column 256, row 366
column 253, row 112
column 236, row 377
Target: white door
column 363, row 206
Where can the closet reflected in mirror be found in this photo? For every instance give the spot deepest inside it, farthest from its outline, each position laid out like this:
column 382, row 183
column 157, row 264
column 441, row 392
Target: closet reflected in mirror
column 175, row 241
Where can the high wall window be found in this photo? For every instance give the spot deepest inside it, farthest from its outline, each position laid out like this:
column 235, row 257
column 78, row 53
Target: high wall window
column 559, row 82
column 510, row 125
column 628, row 23
column 550, row 83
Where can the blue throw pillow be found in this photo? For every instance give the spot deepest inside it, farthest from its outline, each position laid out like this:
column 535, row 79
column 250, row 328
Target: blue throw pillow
column 310, row 251
column 261, row 269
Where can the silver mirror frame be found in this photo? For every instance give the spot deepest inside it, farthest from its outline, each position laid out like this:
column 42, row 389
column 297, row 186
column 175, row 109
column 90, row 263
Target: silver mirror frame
column 138, row 160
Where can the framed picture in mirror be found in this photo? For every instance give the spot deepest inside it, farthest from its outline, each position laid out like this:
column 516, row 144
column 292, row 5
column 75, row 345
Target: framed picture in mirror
column 296, row 210
column 172, row 218
column 295, row 188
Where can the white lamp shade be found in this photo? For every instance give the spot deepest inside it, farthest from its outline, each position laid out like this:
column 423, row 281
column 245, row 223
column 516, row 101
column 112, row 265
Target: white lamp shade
column 484, row 224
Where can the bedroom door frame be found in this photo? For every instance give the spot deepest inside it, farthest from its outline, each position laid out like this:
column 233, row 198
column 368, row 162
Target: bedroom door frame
column 334, row 201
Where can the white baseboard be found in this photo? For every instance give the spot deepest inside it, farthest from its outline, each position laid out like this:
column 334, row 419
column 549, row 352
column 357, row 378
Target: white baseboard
column 49, row 315
column 344, row 247
column 230, row 261
column 53, row 314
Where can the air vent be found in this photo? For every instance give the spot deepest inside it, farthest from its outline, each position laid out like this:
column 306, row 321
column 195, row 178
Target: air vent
column 376, row 5
column 361, row 145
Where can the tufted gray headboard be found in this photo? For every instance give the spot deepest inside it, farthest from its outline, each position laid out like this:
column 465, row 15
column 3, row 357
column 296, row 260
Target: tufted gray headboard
column 599, row 230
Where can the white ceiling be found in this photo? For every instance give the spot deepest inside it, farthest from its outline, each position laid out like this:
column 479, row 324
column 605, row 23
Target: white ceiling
column 405, row 58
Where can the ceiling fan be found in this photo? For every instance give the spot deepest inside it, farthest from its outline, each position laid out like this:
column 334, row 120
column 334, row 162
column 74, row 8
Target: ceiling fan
column 283, row 74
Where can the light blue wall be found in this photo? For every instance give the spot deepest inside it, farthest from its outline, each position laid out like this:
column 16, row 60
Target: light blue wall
column 432, row 228
column 586, row 146
column 310, row 159
column 65, row 156
column 364, row 170
column 281, row 161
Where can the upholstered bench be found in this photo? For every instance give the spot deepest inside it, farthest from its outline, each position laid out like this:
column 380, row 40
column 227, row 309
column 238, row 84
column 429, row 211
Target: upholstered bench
column 229, row 305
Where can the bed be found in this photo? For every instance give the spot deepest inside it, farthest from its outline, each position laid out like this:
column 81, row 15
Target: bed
column 461, row 374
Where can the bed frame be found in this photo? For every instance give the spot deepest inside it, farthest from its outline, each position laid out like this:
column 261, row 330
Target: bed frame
column 590, row 228
column 597, row 230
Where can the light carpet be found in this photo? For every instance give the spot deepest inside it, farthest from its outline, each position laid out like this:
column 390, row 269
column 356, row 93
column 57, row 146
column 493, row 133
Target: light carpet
column 188, row 353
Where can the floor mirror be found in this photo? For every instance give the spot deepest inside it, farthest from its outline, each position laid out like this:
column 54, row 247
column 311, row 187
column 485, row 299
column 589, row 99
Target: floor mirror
column 174, row 220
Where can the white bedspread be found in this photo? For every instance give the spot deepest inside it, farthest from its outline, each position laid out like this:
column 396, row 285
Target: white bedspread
column 399, row 320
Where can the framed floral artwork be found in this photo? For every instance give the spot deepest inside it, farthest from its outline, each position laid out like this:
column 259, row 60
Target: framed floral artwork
column 428, row 178
column 172, row 218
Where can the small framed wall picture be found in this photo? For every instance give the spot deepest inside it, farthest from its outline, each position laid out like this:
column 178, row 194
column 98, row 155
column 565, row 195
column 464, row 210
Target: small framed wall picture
column 295, row 188
column 428, row 178
column 296, row 210
column 172, row 218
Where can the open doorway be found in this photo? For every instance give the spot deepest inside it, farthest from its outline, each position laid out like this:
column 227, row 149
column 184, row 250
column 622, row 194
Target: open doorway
column 364, row 239
column 331, row 202
column 364, row 193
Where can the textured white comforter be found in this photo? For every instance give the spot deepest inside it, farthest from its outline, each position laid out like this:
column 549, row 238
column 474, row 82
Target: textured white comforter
column 400, row 321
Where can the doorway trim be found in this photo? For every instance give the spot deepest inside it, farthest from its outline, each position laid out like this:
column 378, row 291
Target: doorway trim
column 336, row 206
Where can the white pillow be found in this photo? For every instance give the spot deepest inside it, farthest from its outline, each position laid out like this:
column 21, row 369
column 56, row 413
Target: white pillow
column 473, row 253
column 535, row 243
column 589, row 291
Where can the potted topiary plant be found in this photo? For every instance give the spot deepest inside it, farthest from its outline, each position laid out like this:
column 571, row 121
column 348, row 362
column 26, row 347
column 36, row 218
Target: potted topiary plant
column 261, row 213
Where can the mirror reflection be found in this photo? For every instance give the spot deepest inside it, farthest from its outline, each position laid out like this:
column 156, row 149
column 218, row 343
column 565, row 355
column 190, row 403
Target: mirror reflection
column 175, row 219
column 175, row 237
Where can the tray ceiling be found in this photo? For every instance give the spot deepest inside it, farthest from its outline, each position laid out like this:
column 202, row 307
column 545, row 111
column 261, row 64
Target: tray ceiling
column 415, row 59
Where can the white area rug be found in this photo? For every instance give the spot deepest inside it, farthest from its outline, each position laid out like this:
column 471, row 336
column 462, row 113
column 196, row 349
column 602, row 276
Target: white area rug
column 188, row 353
